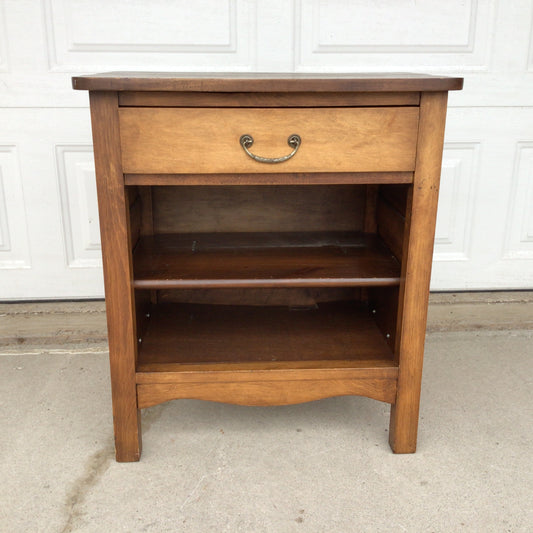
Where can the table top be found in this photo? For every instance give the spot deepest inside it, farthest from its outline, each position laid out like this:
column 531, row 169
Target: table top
column 265, row 82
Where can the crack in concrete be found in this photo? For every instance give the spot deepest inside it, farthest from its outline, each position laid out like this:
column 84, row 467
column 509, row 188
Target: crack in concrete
column 40, row 351
column 97, row 464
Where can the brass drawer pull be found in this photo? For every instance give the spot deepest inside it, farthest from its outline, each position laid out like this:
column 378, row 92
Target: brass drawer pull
column 293, row 141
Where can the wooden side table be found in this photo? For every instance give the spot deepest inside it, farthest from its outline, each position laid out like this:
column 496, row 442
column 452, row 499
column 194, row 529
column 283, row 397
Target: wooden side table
column 267, row 239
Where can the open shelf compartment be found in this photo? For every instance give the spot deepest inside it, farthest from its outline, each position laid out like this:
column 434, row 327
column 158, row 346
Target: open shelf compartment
column 265, row 295
column 327, row 334
column 263, row 355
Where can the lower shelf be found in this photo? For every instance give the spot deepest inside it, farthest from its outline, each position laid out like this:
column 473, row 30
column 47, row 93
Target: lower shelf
column 201, row 333
column 263, row 355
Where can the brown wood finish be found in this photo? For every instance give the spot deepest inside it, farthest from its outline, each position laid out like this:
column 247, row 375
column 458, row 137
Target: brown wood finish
column 416, row 272
column 285, row 296
column 142, row 312
column 396, row 196
column 401, row 295
column 271, row 370
column 370, row 224
column 132, row 194
column 184, row 99
column 302, row 178
column 191, row 140
column 303, row 259
column 265, row 82
column 115, row 232
column 262, row 284
column 258, row 209
column 383, row 303
column 267, row 393
column 188, row 333
column 135, row 222
column 390, row 227
column 147, row 218
column 147, row 222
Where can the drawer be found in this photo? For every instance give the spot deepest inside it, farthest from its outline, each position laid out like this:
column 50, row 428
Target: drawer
column 207, row 140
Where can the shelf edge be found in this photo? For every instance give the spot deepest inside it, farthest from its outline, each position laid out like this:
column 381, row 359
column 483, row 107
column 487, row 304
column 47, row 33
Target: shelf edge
column 265, row 283
column 260, row 371
column 336, row 178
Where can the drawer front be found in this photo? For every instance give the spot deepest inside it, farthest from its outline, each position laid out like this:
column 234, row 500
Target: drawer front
column 202, row 140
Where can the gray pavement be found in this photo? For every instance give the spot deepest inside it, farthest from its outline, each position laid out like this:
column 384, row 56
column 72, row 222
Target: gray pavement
column 319, row 467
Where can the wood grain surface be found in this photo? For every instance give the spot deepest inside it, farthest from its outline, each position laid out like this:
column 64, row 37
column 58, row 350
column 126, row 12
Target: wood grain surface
column 416, row 272
column 189, row 333
column 265, row 82
column 116, row 253
column 270, row 99
column 303, row 259
column 266, row 392
column 201, row 140
column 390, row 226
column 341, row 234
column 198, row 209
column 267, row 178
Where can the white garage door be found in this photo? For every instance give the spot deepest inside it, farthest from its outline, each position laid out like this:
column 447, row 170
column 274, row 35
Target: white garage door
column 49, row 241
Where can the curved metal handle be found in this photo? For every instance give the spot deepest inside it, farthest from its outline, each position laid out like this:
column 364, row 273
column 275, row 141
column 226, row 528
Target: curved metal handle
column 293, row 141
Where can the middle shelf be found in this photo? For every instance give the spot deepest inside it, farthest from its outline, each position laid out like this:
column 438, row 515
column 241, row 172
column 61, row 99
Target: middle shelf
column 256, row 259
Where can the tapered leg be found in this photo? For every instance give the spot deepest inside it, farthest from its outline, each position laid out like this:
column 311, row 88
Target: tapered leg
column 117, row 262
column 416, row 272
